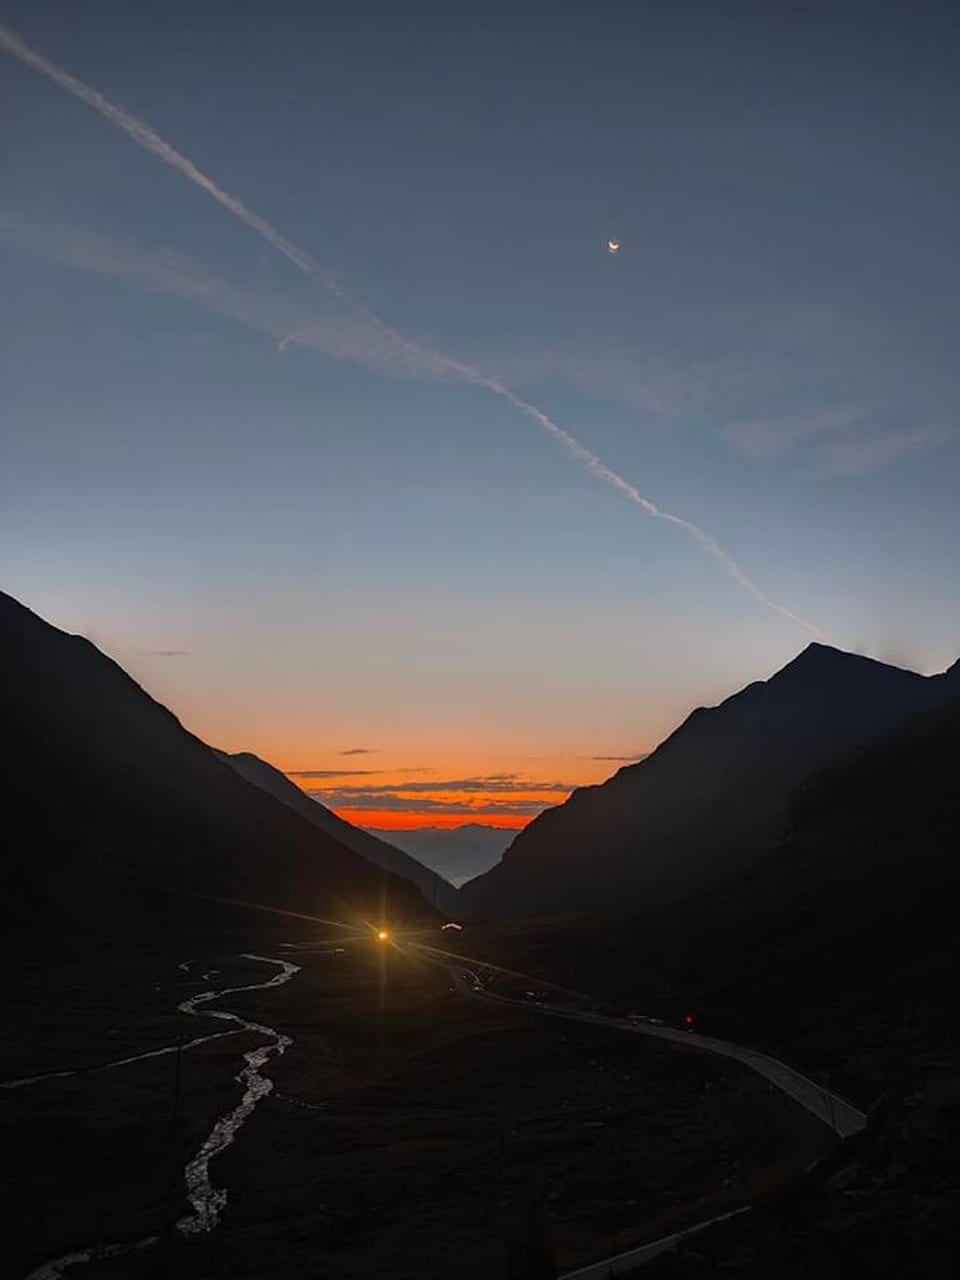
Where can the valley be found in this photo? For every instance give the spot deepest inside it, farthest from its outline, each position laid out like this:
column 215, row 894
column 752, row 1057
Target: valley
column 407, row 1128
column 242, row 1038
column 479, row 677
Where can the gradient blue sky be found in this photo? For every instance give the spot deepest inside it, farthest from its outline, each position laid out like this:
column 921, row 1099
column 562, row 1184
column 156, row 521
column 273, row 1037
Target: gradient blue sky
column 311, row 546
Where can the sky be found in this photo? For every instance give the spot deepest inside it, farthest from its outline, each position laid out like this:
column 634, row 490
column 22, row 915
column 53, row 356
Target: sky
column 328, row 413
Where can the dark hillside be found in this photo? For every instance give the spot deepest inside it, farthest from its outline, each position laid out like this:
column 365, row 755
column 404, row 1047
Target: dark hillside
column 711, row 798
column 839, row 948
column 439, row 892
column 111, row 807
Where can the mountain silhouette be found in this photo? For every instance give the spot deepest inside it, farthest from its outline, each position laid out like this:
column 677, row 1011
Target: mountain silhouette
column 713, row 795
column 388, row 857
column 851, row 914
column 114, row 810
column 456, row 853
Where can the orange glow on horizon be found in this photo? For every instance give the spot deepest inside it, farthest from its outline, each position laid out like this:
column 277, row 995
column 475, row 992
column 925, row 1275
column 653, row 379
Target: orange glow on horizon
column 410, row 820
column 441, row 792
column 431, row 797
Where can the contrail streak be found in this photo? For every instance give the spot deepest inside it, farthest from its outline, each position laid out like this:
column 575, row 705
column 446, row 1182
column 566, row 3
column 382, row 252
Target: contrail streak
column 151, row 141
column 147, row 138
column 598, row 468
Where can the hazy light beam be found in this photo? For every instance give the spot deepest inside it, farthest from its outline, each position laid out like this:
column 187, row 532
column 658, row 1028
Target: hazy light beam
column 151, row 141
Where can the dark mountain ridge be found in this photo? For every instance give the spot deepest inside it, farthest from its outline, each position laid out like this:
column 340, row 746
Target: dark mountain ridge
column 838, row 950
column 113, row 809
column 712, row 796
column 380, row 853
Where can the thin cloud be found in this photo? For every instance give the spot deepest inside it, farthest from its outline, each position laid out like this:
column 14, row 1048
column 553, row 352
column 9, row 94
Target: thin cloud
column 332, row 773
column 862, row 454
column 505, row 794
column 360, row 751
column 349, row 773
column 771, row 437
column 321, row 325
column 508, row 783
column 840, row 443
column 168, row 653
column 634, row 759
column 388, row 803
column 651, row 388
column 405, row 349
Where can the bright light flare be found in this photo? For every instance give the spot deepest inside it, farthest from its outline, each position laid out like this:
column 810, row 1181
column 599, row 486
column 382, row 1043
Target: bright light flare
column 383, row 935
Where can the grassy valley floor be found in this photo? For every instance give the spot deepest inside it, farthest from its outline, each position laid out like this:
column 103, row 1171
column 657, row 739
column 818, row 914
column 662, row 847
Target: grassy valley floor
column 410, row 1132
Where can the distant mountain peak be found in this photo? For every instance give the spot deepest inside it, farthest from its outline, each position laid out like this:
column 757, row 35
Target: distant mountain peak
column 712, row 796
column 819, row 662
column 820, row 649
column 818, row 654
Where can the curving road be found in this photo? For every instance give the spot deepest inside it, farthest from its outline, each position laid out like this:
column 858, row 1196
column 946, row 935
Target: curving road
column 839, row 1115
column 633, row 1259
column 835, row 1112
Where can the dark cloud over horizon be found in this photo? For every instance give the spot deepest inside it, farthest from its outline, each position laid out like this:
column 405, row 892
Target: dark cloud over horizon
column 389, row 801
column 481, row 784
column 332, row 773
column 506, row 794
column 349, row 773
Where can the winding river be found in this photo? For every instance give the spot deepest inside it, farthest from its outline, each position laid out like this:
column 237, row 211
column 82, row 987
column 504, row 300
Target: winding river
column 206, row 1201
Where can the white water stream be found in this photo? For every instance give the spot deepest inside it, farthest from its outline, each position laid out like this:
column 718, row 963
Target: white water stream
column 207, row 1201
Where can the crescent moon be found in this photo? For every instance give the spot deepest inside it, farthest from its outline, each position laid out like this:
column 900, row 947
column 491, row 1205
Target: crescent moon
column 613, row 246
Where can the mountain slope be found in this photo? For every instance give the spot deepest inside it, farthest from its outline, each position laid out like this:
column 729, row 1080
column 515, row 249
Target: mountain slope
column 386, row 856
column 111, row 806
column 838, row 951
column 858, row 900
column 838, row 945
column 713, row 794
